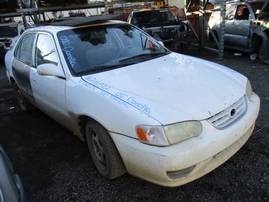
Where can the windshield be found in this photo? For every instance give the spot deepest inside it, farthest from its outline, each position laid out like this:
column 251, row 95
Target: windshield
column 7, row 31
column 153, row 16
column 101, row 48
column 261, row 10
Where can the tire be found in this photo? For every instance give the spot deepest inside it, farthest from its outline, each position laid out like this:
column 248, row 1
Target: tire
column 103, row 151
column 23, row 102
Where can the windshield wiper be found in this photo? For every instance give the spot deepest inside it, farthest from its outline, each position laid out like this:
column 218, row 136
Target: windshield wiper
column 124, row 62
column 102, row 68
column 143, row 56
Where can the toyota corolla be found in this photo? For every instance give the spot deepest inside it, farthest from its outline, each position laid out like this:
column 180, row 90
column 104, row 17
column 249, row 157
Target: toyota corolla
column 164, row 117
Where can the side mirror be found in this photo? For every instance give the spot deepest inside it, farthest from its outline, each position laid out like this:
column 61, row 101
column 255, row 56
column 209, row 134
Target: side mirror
column 50, row 69
column 229, row 17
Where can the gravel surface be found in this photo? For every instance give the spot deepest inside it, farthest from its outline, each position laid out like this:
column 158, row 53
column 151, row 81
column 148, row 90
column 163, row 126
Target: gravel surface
column 56, row 166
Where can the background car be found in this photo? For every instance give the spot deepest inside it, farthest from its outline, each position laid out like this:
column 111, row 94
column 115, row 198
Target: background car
column 13, row 4
column 161, row 116
column 11, row 187
column 246, row 27
column 10, row 32
column 163, row 25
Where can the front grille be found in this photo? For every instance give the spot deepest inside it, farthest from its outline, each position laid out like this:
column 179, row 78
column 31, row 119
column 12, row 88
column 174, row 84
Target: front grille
column 229, row 115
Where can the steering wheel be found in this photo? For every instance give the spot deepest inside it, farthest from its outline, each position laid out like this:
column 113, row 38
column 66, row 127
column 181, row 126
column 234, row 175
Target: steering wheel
column 125, row 49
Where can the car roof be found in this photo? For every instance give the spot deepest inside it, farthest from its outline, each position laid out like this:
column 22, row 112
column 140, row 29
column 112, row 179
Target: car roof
column 77, row 21
column 232, row 1
column 65, row 24
column 217, row 2
column 148, row 10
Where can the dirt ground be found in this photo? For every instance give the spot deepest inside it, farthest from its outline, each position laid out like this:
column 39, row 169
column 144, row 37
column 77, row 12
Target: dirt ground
column 56, row 166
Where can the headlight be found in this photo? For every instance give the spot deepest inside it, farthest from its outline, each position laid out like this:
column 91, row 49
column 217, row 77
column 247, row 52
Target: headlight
column 169, row 134
column 182, row 131
column 151, row 135
column 249, row 89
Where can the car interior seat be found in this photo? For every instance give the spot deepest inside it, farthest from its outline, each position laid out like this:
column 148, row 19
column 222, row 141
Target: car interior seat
column 245, row 14
column 79, row 60
column 100, row 54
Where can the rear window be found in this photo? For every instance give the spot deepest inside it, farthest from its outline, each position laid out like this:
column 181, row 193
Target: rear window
column 147, row 17
column 257, row 7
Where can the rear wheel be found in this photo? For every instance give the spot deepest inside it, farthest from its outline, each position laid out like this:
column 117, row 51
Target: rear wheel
column 24, row 104
column 103, row 151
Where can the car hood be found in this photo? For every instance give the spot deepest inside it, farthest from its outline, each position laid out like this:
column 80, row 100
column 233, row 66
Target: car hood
column 174, row 87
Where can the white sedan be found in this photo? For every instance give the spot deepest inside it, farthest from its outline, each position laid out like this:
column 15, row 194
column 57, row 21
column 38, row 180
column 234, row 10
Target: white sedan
column 164, row 117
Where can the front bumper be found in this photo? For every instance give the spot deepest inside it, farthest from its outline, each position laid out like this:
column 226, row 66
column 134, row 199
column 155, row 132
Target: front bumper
column 184, row 162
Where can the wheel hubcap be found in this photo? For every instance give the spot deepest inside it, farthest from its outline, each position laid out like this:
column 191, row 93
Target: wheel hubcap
column 20, row 98
column 99, row 151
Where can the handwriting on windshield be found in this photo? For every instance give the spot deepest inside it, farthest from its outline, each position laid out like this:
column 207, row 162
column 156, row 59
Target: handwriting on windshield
column 68, row 50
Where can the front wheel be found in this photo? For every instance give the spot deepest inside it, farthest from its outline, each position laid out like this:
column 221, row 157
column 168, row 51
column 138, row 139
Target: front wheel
column 103, row 151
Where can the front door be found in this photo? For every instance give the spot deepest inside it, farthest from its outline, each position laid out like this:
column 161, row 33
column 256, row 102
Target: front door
column 237, row 29
column 49, row 91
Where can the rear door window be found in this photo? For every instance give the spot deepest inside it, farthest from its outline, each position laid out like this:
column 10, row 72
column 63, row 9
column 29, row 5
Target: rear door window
column 24, row 49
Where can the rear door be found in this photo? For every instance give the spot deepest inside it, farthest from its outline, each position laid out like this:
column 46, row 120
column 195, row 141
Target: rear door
column 22, row 64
